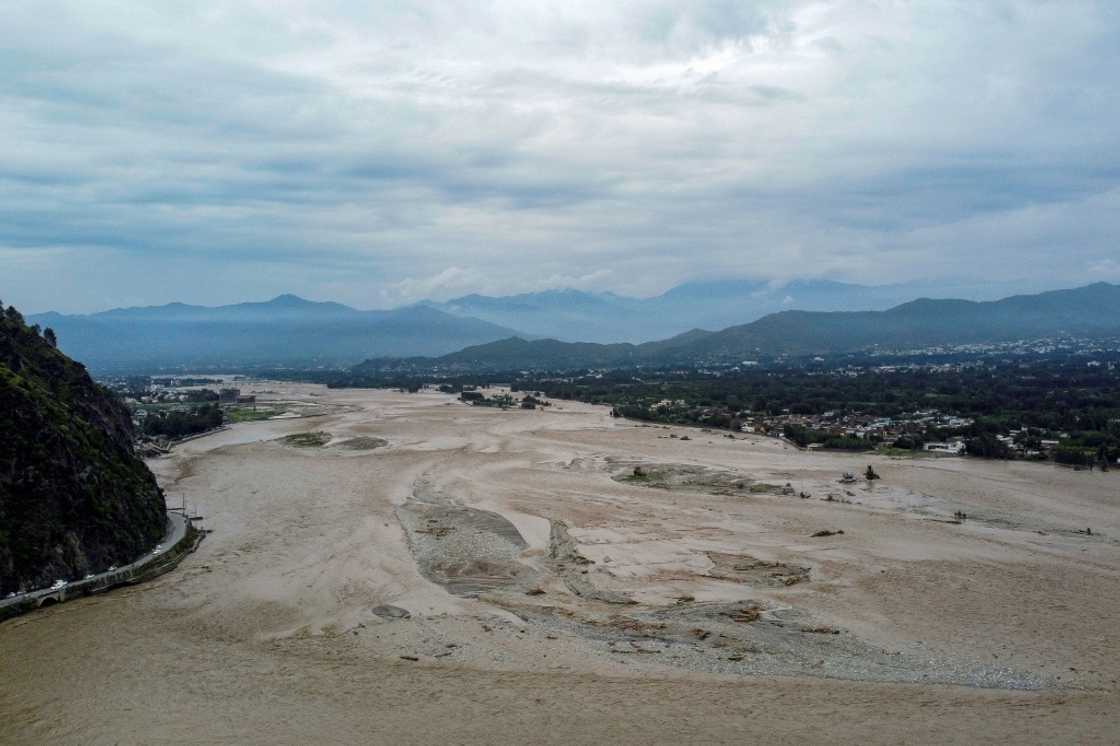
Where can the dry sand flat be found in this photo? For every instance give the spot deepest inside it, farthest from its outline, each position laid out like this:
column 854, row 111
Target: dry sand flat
column 428, row 571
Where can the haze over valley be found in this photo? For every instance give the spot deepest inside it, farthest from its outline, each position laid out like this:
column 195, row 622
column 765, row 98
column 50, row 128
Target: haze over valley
column 291, row 331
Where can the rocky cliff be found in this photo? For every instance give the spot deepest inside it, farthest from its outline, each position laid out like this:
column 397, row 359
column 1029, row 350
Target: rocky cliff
column 74, row 498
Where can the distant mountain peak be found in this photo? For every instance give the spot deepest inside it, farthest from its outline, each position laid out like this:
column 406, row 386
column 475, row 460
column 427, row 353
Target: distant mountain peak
column 284, row 330
column 289, row 299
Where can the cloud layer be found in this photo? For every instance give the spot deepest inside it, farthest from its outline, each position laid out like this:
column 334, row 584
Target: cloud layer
column 379, row 153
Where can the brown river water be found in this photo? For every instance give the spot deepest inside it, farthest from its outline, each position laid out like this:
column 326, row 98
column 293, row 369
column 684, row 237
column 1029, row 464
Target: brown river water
column 498, row 576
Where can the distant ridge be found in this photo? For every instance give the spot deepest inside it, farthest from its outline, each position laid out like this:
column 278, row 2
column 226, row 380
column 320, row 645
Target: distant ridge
column 292, row 331
column 1093, row 310
column 580, row 316
column 287, row 330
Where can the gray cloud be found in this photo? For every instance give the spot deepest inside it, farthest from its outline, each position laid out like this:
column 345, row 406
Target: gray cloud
column 380, row 153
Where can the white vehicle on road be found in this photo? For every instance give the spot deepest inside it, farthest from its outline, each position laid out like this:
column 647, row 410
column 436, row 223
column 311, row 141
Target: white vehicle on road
column 59, row 584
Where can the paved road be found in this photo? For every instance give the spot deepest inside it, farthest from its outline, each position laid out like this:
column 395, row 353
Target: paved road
column 176, row 530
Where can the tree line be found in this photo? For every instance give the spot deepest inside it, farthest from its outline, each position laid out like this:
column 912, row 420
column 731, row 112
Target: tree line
column 181, row 423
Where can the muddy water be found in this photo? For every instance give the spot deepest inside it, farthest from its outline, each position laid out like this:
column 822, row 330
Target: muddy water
column 270, row 633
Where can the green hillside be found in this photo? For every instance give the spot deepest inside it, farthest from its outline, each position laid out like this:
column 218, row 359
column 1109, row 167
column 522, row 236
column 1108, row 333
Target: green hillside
column 74, row 498
column 1091, row 311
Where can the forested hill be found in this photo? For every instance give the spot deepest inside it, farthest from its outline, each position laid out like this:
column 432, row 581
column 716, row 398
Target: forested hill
column 1093, row 310
column 1089, row 310
column 74, row 498
column 588, row 316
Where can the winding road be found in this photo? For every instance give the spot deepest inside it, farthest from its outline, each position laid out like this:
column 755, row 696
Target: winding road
column 177, row 525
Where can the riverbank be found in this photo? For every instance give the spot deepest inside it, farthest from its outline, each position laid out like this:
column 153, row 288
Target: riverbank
column 497, row 576
column 181, row 539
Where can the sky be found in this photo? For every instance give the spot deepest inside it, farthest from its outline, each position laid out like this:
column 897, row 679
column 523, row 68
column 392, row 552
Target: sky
column 380, row 153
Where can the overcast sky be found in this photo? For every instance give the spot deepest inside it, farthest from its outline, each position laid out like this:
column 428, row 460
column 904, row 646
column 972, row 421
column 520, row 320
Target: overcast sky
column 381, row 153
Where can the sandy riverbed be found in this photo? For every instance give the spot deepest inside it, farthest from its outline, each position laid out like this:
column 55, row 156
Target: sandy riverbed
column 433, row 571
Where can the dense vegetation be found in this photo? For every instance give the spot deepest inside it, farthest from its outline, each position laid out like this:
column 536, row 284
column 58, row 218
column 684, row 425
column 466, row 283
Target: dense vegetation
column 74, row 498
column 180, row 423
column 1069, row 401
column 804, row 436
column 1050, row 395
column 1055, row 397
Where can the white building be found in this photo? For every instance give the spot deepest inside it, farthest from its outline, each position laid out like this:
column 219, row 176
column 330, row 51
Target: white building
column 955, row 448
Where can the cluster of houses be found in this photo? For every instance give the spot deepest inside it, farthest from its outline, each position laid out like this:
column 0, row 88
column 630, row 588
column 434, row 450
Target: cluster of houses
column 1021, row 444
column 1021, row 347
column 889, row 430
column 868, row 427
column 163, row 394
column 234, row 396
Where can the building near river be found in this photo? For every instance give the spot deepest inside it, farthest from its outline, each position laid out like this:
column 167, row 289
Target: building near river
column 955, row 447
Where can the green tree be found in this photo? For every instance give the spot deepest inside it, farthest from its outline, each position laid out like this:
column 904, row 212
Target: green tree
column 987, row 445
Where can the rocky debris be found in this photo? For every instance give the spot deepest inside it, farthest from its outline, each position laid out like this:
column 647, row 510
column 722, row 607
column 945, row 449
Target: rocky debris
column 362, row 443
column 562, row 547
column 689, row 477
column 479, row 554
column 306, row 440
column 466, row 550
column 745, row 614
column 387, row 611
column 744, row 568
column 585, row 589
column 435, row 529
column 567, row 562
column 749, row 637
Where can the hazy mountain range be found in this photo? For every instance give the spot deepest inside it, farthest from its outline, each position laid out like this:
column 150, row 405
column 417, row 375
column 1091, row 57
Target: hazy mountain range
column 286, row 330
column 292, row 331
column 1093, row 310
column 578, row 316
